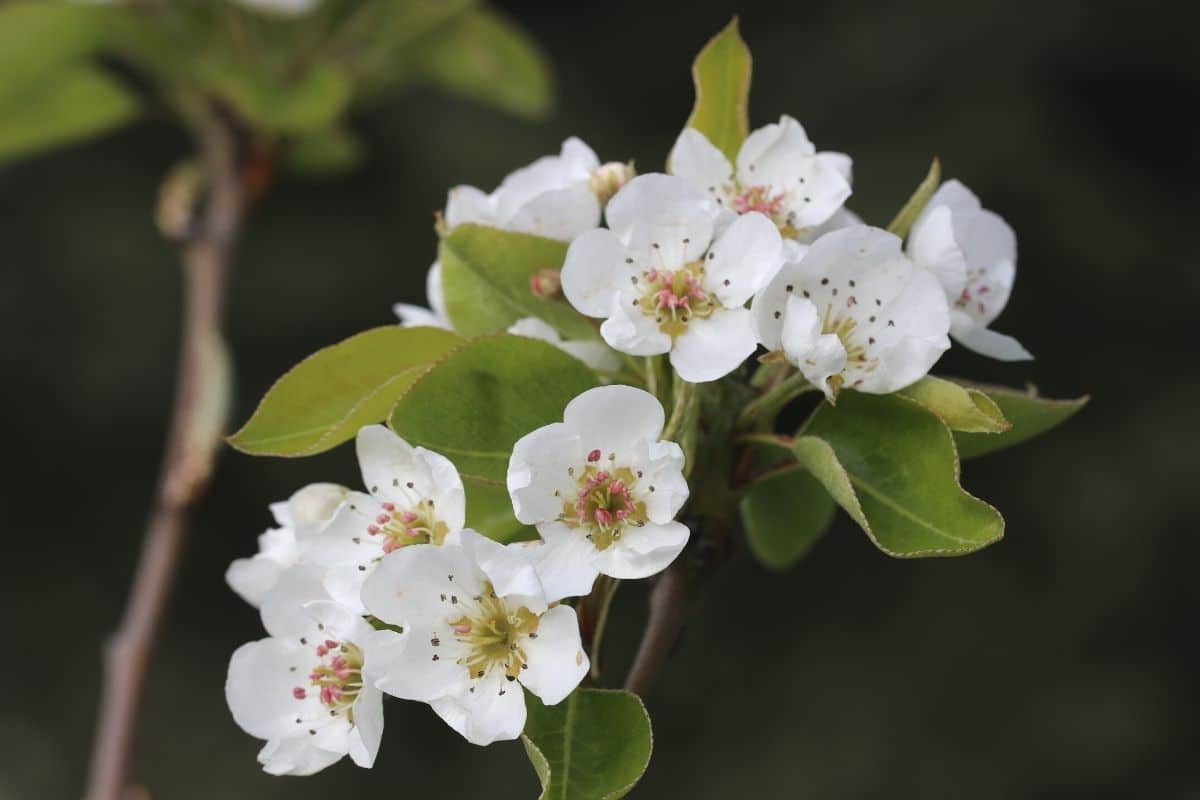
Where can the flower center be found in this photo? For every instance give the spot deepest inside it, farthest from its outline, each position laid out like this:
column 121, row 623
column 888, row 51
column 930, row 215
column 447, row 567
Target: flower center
column 337, row 677
column 416, row 525
column 493, row 634
column 605, row 504
column 673, row 298
column 764, row 200
column 974, row 295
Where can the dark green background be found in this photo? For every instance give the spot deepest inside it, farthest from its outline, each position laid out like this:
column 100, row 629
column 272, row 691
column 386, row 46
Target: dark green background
column 1057, row 663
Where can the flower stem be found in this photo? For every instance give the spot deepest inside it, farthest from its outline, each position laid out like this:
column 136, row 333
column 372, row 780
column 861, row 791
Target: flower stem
column 679, row 412
column 768, row 405
column 608, row 592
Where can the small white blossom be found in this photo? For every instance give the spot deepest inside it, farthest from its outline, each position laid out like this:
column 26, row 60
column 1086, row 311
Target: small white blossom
column 479, row 626
column 973, row 253
column 855, row 313
column 669, row 275
column 596, row 355
column 300, row 518
column 414, row 496
column 302, row 688
column 778, row 173
column 435, row 316
column 602, row 490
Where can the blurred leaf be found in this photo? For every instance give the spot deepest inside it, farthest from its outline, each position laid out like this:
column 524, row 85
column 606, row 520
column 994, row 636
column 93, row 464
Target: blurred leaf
column 892, row 466
column 323, row 153
column 474, row 404
column 314, row 101
column 784, row 515
column 490, row 60
column 595, row 745
column 962, row 408
column 721, row 73
column 66, row 108
column 490, row 511
column 917, row 202
column 1028, row 414
column 40, row 39
column 327, row 397
column 485, row 277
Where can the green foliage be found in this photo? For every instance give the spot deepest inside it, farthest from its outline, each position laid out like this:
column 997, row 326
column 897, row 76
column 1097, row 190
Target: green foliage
column 1029, row 415
column 475, row 403
column 594, row 745
column 721, row 73
column 485, row 277
column 784, row 514
column 325, row 152
column 327, row 397
column 917, row 202
column 313, row 100
column 962, row 408
column 39, row 40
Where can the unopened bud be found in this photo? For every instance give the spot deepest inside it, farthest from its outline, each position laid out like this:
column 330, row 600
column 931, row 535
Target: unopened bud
column 609, row 178
column 545, row 283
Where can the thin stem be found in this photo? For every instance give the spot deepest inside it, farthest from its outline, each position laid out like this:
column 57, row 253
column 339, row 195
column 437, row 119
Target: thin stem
column 669, row 600
column 610, row 590
column 768, row 405
column 683, row 402
column 192, row 443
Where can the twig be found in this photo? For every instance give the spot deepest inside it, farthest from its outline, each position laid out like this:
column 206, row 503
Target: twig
column 669, row 600
column 191, row 445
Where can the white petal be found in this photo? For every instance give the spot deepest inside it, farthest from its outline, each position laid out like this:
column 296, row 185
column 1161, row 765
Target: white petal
column 312, row 506
column 564, row 561
column 779, row 142
column 556, row 661
column 817, row 355
column 535, row 328
column 932, row 245
column 252, row 578
column 467, row 204
column 411, row 316
column 345, row 540
column 743, row 259
column 435, row 293
column 368, row 726
column 614, row 418
column 416, row 585
column 664, row 221
column 628, row 330
column 577, row 157
column 296, row 755
column 573, row 166
column 990, row 343
column 714, row 347
column 697, row 160
column 596, row 355
column 283, row 610
column 539, row 467
column 913, row 338
column 661, row 466
column 595, row 272
column 510, row 571
column 644, row 551
column 955, row 196
column 559, row 214
column 395, row 471
column 259, row 685
column 494, row 712
column 782, row 158
column 990, row 248
column 839, row 162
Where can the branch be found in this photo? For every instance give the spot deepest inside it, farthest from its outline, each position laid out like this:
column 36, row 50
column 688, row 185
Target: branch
column 192, row 443
column 669, row 601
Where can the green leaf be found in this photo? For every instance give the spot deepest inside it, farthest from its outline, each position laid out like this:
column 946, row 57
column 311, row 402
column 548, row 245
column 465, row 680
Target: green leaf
column 323, row 153
column 490, row 511
column 962, row 408
column 721, row 73
column 67, row 108
column 474, row 404
column 315, row 100
column 39, row 40
column 485, row 278
column 595, row 745
column 917, row 202
column 892, row 465
column 327, row 397
column 1029, row 415
column 784, row 514
column 488, row 59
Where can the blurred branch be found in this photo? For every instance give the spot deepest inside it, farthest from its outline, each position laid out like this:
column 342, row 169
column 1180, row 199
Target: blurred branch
column 669, row 601
column 192, row 443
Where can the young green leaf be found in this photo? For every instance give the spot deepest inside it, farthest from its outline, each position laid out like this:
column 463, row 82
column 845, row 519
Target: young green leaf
column 962, row 408
column 490, row 511
column 327, row 397
column 485, row 278
column 1028, row 414
column 474, row 404
column 721, row 73
column 314, row 100
column 784, row 514
column 39, row 40
column 595, row 745
column 322, row 153
column 917, row 202
column 892, row 465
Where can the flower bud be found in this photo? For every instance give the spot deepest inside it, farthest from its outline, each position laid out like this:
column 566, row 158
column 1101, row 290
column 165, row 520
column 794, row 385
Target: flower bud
column 609, row 178
column 545, row 284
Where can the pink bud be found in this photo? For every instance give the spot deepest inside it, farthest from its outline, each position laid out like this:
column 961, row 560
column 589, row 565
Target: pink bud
column 383, row 519
column 389, row 506
column 299, row 693
column 372, row 529
column 545, row 283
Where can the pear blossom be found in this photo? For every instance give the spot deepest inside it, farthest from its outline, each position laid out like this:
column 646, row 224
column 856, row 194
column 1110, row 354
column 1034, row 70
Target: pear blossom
column 300, row 518
column 596, row 355
column 414, row 496
column 602, row 490
column 670, row 276
column 435, row 315
column 855, row 313
column 302, row 688
column 478, row 626
column 973, row 253
column 778, row 173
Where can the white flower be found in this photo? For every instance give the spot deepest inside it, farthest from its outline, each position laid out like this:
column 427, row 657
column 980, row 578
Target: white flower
column 435, row 316
column 300, row 518
column 602, row 490
column 558, row 197
column 596, row 355
column 670, row 276
column 855, row 312
column 778, row 173
column 477, row 623
column 414, row 496
column 302, row 689
column 973, row 253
